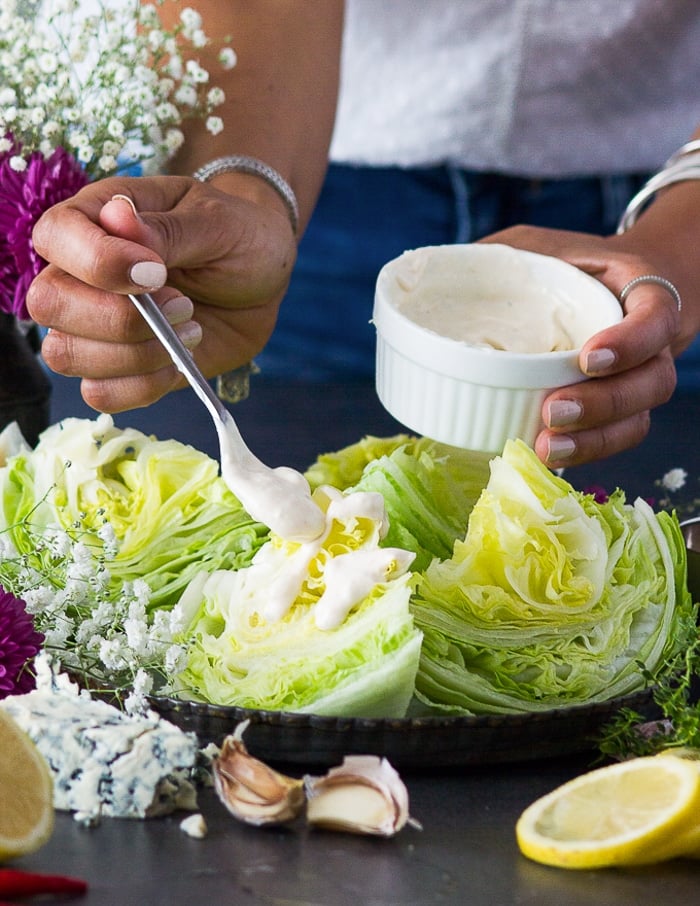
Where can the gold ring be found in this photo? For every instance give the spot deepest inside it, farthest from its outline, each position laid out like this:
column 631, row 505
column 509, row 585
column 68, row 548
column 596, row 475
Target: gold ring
column 652, row 278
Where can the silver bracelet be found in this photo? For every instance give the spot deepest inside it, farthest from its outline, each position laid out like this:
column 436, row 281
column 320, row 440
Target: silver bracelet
column 238, row 163
column 234, row 386
column 682, row 165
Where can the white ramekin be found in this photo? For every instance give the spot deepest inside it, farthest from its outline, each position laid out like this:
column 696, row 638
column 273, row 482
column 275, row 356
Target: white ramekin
column 470, row 396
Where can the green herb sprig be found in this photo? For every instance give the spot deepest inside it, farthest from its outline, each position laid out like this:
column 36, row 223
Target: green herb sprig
column 676, row 694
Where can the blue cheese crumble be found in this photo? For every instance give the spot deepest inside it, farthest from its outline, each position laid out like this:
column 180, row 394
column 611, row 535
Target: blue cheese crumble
column 105, row 762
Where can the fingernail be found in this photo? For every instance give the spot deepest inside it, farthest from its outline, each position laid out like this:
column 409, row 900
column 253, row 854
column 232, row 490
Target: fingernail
column 599, row 360
column 190, row 333
column 563, row 412
column 129, row 201
column 561, row 446
column 178, row 310
column 148, row 274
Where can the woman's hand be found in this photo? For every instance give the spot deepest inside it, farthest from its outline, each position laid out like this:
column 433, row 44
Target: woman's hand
column 630, row 364
column 218, row 264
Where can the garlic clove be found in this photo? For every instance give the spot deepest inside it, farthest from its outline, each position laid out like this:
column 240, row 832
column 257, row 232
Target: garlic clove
column 251, row 790
column 364, row 795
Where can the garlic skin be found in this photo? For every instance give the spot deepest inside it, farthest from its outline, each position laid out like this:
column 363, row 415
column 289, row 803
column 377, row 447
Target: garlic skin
column 364, row 795
column 194, row 826
column 252, row 791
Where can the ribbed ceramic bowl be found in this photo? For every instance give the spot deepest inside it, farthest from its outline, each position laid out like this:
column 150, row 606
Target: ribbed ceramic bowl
column 464, row 392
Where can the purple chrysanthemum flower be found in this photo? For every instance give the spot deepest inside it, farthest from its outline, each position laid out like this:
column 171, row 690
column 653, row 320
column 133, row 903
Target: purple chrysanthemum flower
column 599, row 494
column 19, row 642
column 24, row 196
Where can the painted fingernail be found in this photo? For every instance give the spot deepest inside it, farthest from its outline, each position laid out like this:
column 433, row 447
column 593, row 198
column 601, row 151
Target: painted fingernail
column 599, row 360
column 561, row 446
column 190, row 333
column 178, row 310
column 128, row 201
column 148, row 274
column 563, row 412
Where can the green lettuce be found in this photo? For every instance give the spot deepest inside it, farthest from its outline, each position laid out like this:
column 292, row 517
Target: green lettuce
column 170, row 512
column 246, row 650
column 551, row 598
column 428, row 488
column 343, row 468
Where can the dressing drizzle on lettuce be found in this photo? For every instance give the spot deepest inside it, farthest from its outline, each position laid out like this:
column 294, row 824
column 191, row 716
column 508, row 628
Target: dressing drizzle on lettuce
column 297, row 631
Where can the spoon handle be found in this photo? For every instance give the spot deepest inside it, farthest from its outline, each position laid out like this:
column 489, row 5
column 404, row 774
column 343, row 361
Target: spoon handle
column 179, row 353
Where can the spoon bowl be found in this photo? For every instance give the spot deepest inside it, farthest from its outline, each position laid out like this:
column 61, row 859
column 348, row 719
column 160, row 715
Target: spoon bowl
column 691, row 533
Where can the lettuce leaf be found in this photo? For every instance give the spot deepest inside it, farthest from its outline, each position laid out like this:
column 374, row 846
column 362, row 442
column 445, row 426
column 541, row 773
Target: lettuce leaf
column 551, row 598
column 245, row 650
column 428, row 488
column 171, row 513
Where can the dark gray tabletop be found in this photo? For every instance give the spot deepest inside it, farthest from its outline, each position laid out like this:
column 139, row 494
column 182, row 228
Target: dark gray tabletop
column 466, row 852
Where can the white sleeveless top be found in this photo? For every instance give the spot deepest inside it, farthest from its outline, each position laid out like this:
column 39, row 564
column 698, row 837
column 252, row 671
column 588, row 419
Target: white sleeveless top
column 528, row 87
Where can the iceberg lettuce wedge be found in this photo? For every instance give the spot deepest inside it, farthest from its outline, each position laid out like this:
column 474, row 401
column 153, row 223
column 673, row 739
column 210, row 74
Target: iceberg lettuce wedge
column 257, row 640
column 551, row 599
column 170, row 512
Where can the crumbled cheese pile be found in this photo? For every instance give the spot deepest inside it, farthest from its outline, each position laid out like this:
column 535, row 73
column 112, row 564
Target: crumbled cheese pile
column 103, row 761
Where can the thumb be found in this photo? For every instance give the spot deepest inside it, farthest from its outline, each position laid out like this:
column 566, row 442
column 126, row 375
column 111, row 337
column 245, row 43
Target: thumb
column 120, row 218
column 166, row 243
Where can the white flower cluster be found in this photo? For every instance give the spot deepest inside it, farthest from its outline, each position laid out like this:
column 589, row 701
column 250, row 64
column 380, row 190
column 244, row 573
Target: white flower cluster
column 674, row 479
column 102, row 634
column 671, row 484
column 111, row 88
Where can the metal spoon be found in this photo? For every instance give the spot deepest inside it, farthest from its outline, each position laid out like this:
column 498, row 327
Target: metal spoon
column 279, row 498
column 691, row 533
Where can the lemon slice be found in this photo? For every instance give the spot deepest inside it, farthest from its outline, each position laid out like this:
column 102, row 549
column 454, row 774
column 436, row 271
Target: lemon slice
column 687, row 843
column 633, row 813
column 26, row 793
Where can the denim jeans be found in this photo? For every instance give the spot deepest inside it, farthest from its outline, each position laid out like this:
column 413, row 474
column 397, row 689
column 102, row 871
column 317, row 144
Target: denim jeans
column 367, row 216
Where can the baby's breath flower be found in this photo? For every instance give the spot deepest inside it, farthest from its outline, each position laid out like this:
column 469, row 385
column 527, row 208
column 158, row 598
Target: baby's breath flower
column 116, row 128
column 167, row 113
column 107, row 73
column 85, row 154
column 196, row 72
column 214, row 124
column 175, row 660
column 100, row 629
column 674, row 479
column 186, row 95
column 136, row 702
column 47, row 62
column 215, row 97
column 685, row 504
column 191, row 19
column 227, row 57
column 108, row 163
column 174, row 139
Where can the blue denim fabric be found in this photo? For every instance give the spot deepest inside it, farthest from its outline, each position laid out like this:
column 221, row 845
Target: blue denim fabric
column 367, row 216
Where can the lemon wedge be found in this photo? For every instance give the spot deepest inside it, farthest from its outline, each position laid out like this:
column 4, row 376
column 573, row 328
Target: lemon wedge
column 26, row 793
column 635, row 812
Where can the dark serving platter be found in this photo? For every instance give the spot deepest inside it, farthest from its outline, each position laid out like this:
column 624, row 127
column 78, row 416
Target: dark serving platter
column 419, row 742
